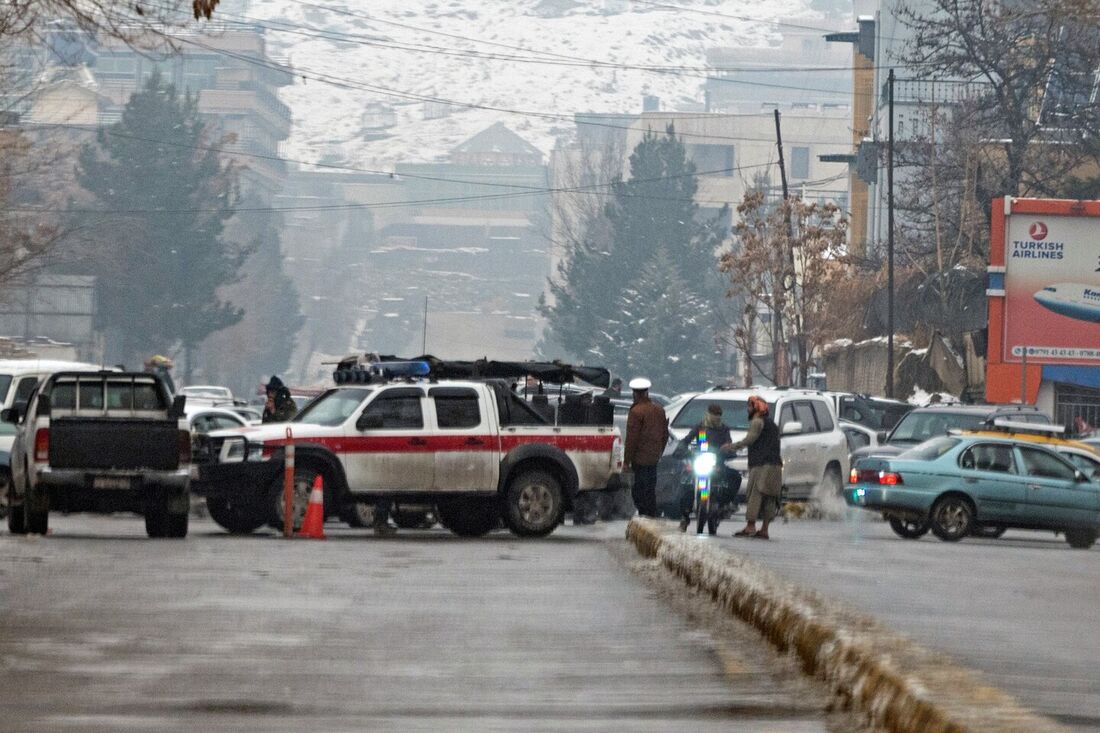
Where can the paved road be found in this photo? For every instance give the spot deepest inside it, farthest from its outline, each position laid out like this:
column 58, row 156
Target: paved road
column 102, row 629
column 1023, row 609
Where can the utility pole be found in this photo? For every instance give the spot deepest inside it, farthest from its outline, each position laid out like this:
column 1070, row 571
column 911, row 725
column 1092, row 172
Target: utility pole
column 782, row 371
column 890, row 244
column 424, row 343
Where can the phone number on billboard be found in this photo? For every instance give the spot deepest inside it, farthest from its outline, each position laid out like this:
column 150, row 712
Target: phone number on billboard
column 1053, row 352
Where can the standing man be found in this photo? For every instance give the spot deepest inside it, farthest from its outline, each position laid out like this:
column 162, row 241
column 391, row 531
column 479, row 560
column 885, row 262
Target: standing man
column 765, row 469
column 646, row 436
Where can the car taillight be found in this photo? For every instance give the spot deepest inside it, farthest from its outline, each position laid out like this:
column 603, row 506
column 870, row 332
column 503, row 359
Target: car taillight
column 42, row 445
column 870, row 476
column 184, row 447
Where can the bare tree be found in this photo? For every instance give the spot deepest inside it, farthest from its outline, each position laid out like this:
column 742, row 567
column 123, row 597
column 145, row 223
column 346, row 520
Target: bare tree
column 1032, row 72
column 790, row 257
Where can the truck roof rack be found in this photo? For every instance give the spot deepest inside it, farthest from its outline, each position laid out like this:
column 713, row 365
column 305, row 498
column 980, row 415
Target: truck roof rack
column 374, row 367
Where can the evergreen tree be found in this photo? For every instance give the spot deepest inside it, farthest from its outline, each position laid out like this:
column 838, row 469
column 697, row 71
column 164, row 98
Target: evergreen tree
column 162, row 265
column 263, row 341
column 649, row 245
column 663, row 330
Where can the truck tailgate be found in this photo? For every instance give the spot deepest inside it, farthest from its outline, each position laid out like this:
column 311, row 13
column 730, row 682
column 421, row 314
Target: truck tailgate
column 114, row 443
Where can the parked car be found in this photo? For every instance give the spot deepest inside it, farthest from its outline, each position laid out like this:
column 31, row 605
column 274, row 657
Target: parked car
column 206, row 419
column 858, row 436
column 101, row 442
column 815, row 450
column 211, row 392
column 957, row 485
column 19, row 377
column 877, row 413
column 923, row 423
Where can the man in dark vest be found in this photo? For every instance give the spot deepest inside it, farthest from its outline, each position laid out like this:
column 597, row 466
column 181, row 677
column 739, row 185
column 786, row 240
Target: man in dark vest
column 765, row 469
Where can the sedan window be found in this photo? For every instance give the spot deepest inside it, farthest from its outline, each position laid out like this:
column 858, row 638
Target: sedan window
column 988, row 457
column 1046, row 465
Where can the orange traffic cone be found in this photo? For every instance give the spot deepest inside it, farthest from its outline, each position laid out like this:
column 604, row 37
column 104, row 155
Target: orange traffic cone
column 313, row 523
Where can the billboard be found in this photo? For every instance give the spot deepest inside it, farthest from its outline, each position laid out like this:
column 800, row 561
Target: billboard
column 1052, row 289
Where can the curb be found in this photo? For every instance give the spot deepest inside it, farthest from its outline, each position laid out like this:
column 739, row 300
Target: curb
column 901, row 686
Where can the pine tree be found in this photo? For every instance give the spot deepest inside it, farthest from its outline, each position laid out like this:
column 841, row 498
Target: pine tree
column 649, row 244
column 163, row 260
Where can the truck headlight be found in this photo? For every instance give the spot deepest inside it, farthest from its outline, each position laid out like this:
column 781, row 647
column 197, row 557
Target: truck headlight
column 704, row 464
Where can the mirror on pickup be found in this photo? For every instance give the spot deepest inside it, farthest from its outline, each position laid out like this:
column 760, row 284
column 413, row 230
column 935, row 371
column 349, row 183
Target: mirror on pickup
column 11, row 414
column 178, row 411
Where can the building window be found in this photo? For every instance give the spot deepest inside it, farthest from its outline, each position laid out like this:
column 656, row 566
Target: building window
column 800, row 163
column 714, row 160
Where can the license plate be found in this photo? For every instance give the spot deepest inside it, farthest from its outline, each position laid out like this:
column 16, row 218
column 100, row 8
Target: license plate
column 111, row 482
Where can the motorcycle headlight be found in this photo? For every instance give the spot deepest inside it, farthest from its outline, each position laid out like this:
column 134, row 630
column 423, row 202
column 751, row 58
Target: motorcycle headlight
column 704, row 464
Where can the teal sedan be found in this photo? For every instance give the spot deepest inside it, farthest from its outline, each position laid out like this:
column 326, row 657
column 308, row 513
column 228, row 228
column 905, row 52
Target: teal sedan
column 964, row 485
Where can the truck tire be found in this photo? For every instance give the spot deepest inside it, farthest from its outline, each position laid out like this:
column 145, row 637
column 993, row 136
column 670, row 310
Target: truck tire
column 36, row 512
column 176, row 526
column 303, row 485
column 532, row 505
column 156, row 517
column 469, row 517
column 235, row 519
column 16, row 519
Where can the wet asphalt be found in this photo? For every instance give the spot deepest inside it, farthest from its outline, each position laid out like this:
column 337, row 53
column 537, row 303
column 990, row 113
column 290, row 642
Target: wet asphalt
column 102, row 629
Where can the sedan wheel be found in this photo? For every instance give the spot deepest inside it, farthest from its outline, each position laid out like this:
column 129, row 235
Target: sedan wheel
column 952, row 518
column 910, row 529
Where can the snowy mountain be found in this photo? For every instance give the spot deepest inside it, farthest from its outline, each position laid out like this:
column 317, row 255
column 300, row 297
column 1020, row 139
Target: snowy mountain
column 407, row 80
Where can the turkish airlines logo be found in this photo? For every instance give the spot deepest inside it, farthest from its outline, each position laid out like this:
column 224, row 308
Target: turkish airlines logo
column 1038, row 231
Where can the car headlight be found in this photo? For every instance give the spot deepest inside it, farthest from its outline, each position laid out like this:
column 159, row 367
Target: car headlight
column 704, row 464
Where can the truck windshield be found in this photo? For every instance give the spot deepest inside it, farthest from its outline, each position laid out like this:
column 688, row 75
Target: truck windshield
column 333, row 407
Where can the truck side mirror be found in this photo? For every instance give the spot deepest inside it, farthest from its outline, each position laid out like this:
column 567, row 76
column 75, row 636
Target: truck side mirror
column 881, row 435
column 11, row 415
column 792, row 428
column 177, row 412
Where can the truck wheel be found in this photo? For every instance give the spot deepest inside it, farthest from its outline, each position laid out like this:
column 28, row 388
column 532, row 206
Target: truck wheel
column 176, row 526
column 16, row 519
column 532, row 504
column 5, row 492
column 413, row 519
column 156, row 517
column 1081, row 539
column 469, row 517
column 303, row 485
column 36, row 512
column 236, row 519
column 358, row 514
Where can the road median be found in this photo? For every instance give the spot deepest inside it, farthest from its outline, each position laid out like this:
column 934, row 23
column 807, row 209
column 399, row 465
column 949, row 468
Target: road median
column 898, row 684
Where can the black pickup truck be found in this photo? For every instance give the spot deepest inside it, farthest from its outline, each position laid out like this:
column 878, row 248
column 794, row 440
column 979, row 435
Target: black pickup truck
column 101, row 442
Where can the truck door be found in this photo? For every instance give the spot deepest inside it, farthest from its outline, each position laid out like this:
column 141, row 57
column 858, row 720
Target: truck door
column 465, row 443
column 389, row 451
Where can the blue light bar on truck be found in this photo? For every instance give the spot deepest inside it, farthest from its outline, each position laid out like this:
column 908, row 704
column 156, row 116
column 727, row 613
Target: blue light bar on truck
column 402, row 369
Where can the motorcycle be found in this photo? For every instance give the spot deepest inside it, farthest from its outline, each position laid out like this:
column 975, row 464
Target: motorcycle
column 713, row 498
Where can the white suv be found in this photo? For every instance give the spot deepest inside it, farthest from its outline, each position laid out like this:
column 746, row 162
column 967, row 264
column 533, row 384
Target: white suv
column 815, row 451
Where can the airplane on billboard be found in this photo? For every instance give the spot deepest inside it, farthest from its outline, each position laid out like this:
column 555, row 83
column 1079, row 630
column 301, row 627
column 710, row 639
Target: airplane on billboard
column 1074, row 300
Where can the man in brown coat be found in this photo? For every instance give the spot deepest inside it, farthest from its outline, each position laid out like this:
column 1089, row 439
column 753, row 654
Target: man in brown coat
column 646, row 436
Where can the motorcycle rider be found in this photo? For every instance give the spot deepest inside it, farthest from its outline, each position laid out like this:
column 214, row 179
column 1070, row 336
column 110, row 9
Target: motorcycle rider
column 765, row 468
column 717, row 434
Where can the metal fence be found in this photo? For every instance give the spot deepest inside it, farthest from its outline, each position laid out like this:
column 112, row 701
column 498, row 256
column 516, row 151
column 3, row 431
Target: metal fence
column 1071, row 402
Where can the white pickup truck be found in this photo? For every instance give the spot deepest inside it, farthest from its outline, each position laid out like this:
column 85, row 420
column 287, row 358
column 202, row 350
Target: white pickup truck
column 103, row 441
column 473, row 448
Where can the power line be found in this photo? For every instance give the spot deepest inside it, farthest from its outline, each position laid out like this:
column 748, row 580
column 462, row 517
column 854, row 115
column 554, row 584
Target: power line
column 350, row 84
